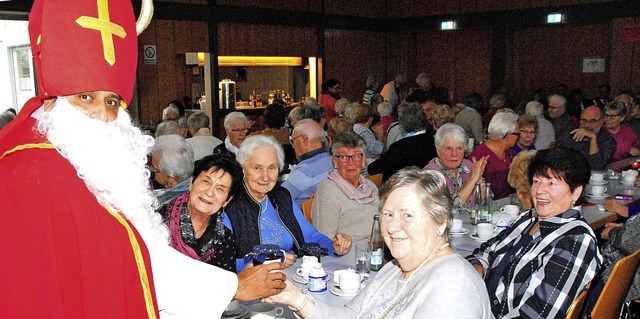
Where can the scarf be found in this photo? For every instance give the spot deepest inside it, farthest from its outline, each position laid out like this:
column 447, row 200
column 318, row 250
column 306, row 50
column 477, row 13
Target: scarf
column 362, row 194
column 182, row 234
column 230, row 147
column 457, row 181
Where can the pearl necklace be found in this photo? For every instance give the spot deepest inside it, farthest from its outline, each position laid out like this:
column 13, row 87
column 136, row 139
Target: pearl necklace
column 393, row 302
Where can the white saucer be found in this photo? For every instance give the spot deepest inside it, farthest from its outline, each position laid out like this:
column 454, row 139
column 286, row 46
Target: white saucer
column 625, row 183
column 476, row 238
column 459, row 233
column 338, row 292
column 597, row 196
column 240, row 312
column 598, row 183
column 299, row 279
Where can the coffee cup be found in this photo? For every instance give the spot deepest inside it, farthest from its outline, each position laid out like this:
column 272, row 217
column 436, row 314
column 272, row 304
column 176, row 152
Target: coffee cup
column 305, row 269
column 264, row 310
column 485, row 230
column 629, row 178
column 598, row 190
column 349, row 282
column 232, row 306
column 597, row 178
column 456, row 225
column 510, row 210
column 338, row 273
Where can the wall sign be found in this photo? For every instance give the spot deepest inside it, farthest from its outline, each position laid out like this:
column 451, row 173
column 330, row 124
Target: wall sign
column 150, row 54
column 592, row 65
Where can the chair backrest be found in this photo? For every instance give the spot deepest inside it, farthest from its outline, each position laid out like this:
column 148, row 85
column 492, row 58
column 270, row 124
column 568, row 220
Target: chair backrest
column 577, row 304
column 376, row 179
column 615, row 289
column 306, row 207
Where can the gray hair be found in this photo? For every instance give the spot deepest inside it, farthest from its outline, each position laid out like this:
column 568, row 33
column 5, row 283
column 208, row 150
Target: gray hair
column 176, row 157
column 534, row 108
column 350, row 111
column 255, row 142
column 411, row 117
column 296, row 113
column 5, row 118
column 235, row 116
column 348, row 139
column 452, row 131
column 310, row 101
column 501, row 124
column 385, row 109
column 311, row 129
column 429, row 187
column 168, row 128
column 341, row 105
column 559, row 98
column 423, row 79
column 170, row 110
column 619, row 107
column 198, row 120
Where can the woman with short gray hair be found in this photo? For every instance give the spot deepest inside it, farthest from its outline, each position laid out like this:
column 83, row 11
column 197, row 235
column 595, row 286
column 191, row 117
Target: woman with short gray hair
column 627, row 141
column 236, row 126
column 265, row 213
column 503, row 135
column 461, row 174
column 172, row 165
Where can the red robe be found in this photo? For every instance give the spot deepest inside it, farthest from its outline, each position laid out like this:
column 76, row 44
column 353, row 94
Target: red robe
column 63, row 254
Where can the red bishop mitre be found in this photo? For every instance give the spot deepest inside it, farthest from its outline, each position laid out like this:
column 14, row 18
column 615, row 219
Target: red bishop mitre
column 84, row 45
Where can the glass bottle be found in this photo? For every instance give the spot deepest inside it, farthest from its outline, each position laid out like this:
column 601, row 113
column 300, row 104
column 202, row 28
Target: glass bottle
column 377, row 245
column 476, row 205
column 488, row 204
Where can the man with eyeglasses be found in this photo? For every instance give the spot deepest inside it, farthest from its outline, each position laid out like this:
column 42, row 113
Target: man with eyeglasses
column 314, row 164
column 590, row 139
column 236, row 125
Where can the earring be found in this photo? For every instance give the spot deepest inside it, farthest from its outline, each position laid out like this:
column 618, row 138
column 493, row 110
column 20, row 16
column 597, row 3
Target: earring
column 440, row 233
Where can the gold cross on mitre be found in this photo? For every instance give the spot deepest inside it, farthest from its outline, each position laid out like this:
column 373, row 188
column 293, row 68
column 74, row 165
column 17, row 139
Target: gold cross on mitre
column 106, row 28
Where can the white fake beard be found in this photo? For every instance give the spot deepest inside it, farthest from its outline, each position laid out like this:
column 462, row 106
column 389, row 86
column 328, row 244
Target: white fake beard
column 111, row 159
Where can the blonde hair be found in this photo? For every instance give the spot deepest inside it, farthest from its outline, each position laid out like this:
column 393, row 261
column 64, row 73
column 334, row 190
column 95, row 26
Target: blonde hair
column 518, row 176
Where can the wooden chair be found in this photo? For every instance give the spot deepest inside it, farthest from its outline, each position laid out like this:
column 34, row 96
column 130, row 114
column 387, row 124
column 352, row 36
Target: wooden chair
column 615, row 289
column 306, row 207
column 578, row 303
column 376, row 179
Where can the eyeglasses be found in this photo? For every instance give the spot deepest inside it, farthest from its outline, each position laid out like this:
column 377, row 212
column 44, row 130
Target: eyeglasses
column 514, row 133
column 239, row 130
column 609, row 116
column 345, row 158
column 527, row 132
column 291, row 138
column 591, row 121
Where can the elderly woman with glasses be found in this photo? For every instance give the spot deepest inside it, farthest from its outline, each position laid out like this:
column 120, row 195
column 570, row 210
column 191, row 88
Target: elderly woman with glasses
column 346, row 202
column 527, row 125
column 263, row 212
column 503, row 135
column 236, row 126
column 627, row 141
column 461, row 174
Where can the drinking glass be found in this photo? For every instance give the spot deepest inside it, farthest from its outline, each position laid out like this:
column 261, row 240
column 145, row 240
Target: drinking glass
column 363, row 258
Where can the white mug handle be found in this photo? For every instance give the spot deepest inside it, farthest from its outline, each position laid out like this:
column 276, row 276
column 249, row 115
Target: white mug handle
column 299, row 272
column 279, row 311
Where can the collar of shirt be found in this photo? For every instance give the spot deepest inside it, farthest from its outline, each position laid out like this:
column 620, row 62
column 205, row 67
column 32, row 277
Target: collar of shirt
column 311, row 154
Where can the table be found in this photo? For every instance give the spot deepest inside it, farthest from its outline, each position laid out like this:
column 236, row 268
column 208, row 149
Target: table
column 594, row 211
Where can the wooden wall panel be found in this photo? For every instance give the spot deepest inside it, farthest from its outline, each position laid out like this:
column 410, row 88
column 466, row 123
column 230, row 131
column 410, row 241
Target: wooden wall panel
column 400, row 55
column 544, row 56
column 165, row 81
column 350, row 58
column 625, row 58
column 458, row 60
column 356, row 8
column 253, row 39
column 295, row 5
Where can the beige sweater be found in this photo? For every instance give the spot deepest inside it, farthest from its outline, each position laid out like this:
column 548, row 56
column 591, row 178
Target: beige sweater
column 333, row 212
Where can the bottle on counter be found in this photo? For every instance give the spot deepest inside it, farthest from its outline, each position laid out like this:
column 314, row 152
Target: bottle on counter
column 476, row 205
column 377, row 245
